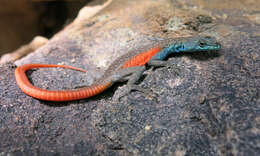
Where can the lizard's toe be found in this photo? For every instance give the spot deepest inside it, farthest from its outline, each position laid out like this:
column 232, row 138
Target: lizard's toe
column 127, row 92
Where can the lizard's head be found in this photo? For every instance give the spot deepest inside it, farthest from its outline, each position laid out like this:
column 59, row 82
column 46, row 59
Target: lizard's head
column 201, row 43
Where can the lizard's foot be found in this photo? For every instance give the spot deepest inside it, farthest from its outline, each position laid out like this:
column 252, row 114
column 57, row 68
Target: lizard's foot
column 132, row 88
column 137, row 88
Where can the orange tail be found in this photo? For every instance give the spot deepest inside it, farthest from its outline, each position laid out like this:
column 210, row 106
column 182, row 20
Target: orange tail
column 60, row 95
column 31, row 66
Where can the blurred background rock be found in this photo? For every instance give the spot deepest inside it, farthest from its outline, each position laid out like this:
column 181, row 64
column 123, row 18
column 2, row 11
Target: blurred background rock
column 22, row 20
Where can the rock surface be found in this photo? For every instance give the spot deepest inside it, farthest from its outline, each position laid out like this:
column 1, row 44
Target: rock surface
column 209, row 106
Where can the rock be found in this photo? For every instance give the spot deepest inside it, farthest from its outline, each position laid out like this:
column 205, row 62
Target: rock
column 209, row 106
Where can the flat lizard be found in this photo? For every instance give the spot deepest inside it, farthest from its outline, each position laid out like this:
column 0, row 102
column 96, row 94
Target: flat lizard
column 128, row 67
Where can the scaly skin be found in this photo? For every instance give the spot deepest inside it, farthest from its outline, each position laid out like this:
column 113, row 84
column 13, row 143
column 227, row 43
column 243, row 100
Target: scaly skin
column 126, row 68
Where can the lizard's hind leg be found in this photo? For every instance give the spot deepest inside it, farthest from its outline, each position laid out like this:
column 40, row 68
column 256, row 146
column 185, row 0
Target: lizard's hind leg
column 131, row 75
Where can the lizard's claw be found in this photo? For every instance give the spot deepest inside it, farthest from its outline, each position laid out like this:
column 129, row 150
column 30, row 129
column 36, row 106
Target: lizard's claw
column 131, row 88
column 137, row 88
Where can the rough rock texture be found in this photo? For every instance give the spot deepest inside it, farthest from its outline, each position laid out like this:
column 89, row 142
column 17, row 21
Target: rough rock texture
column 205, row 104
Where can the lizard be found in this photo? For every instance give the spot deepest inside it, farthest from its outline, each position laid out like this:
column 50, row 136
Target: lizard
column 128, row 67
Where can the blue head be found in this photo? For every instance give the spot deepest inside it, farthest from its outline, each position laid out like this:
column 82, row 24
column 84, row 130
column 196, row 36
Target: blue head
column 194, row 44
